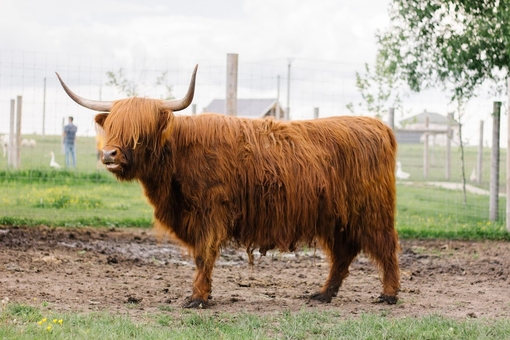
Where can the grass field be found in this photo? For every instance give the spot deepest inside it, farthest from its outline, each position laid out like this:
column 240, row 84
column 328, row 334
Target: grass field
column 39, row 323
column 90, row 196
column 39, row 156
column 87, row 196
column 71, row 199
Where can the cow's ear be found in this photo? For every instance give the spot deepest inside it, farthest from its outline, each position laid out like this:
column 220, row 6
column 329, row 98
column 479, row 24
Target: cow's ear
column 100, row 118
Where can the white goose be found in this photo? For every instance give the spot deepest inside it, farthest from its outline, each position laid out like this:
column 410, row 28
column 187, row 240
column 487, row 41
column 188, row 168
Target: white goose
column 473, row 176
column 54, row 164
column 401, row 174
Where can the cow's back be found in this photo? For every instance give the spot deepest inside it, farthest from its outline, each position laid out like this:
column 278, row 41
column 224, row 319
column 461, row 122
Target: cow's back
column 282, row 183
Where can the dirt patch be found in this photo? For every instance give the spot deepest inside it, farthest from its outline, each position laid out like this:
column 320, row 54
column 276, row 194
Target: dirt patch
column 129, row 271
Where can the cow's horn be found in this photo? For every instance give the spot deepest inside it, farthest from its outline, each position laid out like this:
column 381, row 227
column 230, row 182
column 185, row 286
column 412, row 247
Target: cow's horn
column 181, row 104
column 95, row 105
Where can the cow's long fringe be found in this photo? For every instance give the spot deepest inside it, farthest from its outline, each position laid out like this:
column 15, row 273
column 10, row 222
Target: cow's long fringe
column 133, row 121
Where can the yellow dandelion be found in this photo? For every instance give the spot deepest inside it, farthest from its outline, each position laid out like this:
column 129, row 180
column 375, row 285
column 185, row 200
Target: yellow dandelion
column 55, row 320
column 43, row 320
column 39, row 323
column 60, row 322
column 48, row 328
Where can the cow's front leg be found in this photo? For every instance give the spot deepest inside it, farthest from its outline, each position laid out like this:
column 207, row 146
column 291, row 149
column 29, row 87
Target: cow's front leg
column 204, row 262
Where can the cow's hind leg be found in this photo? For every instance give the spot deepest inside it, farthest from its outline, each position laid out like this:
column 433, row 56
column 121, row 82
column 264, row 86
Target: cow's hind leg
column 385, row 255
column 341, row 254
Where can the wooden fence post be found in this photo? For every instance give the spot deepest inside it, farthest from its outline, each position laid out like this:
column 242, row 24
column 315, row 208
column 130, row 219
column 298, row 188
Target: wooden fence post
column 494, row 180
column 231, row 97
column 44, row 109
column 12, row 124
column 426, row 150
column 287, row 109
column 479, row 161
column 17, row 153
column 315, row 113
column 449, row 136
column 508, row 164
column 391, row 118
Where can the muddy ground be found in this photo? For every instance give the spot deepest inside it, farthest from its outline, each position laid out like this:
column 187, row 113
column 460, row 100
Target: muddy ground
column 130, row 271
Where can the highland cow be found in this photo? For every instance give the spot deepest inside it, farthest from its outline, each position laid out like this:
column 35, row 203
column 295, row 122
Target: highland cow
column 214, row 180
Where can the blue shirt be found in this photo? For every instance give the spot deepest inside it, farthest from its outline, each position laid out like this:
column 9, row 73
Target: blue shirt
column 70, row 133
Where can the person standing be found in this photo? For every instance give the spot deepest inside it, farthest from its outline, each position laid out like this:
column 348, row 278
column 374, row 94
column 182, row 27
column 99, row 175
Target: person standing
column 69, row 142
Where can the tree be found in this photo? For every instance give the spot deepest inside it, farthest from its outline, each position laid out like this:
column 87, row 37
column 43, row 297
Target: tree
column 131, row 89
column 456, row 44
column 379, row 88
column 118, row 80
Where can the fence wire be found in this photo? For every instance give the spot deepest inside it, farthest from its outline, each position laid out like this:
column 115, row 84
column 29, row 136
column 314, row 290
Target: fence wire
column 314, row 85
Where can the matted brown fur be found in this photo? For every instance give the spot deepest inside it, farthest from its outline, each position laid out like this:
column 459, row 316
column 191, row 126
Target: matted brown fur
column 265, row 184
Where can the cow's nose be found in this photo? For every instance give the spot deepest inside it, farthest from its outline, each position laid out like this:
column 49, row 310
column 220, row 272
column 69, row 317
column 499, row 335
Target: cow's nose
column 109, row 155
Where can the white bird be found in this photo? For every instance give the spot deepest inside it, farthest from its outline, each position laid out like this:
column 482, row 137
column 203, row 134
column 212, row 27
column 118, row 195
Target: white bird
column 473, row 175
column 54, row 164
column 401, row 174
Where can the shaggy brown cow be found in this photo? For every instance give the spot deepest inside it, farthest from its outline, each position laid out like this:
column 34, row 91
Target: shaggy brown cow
column 262, row 183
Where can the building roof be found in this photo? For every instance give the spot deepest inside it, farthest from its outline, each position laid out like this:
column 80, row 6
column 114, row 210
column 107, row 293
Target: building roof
column 434, row 118
column 250, row 108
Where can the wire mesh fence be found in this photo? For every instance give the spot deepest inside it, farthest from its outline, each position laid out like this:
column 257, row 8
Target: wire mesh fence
column 306, row 87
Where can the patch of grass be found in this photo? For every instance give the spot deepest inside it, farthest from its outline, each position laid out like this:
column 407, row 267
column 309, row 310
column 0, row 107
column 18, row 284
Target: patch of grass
column 61, row 198
column 166, row 308
column 429, row 212
column 411, row 157
column 54, row 176
column 422, row 212
column 23, row 312
column 76, row 205
column 38, row 158
column 23, row 322
column 87, row 196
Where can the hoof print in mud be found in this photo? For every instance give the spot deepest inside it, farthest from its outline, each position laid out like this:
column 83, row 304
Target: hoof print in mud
column 133, row 300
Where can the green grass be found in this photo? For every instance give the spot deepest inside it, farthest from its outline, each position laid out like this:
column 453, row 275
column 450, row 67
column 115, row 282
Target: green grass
column 411, row 157
column 86, row 196
column 81, row 199
column 73, row 202
column 430, row 212
column 39, row 156
column 37, row 194
column 25, row 322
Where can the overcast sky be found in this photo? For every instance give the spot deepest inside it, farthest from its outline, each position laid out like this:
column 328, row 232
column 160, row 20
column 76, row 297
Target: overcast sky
column 331, row 30
column 193, row 31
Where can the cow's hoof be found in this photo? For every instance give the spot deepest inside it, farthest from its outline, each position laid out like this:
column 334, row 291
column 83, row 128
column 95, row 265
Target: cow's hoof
column 389, row 299
column 321, row 297
column 196, row 304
